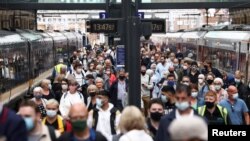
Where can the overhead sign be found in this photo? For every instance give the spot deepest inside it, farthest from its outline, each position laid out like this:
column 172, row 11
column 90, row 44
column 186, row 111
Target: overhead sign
column 102, row 26
column 140, row 15
column 120, row 56
column 103, row 15
column 158, row 25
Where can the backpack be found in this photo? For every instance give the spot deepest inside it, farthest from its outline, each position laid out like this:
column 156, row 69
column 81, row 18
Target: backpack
column 112, row 119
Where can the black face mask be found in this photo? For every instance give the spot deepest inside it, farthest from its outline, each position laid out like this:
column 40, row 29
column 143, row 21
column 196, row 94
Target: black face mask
column 210, row 81
column 171, row 71
column 143, row 72
column 156, row 116
column 209, row 104
column 122, row 77
column 92, row 94
column 206, row 67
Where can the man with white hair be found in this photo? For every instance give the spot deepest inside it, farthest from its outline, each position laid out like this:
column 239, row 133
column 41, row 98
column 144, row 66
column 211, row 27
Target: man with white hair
column 220, row 92
column 202, row 86
column 188, row 128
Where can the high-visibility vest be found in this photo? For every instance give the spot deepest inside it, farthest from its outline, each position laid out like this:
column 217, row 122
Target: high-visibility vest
column 58, row 68
column 60, row 123
column 223, row 111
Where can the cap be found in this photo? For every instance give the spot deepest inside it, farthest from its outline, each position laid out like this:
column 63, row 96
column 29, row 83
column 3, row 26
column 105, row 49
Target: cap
column 187, row 127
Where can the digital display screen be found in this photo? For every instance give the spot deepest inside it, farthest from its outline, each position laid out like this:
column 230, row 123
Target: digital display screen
column 102, row 26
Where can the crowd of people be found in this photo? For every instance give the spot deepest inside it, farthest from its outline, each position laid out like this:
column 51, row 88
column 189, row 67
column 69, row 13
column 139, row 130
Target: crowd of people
column 87, row 100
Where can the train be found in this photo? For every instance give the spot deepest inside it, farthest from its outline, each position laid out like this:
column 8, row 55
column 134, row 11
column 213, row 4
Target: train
column 227, row 46
column 28, row 56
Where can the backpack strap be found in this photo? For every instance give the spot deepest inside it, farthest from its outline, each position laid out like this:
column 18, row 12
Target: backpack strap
column 112, row 120
column 52, row 133
column 95, row 117
column 92, row 135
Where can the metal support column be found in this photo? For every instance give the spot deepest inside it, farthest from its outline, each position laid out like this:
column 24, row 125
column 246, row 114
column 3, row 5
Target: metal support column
column 132, row 44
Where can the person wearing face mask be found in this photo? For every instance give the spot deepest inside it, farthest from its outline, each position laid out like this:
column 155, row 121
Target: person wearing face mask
column 202, row 87
column 91, row 101
column 78, row 74
column 186, row 68
column 36, row 130
column 236, row 107
column 39, row 101
column 118, row 90
column 183, row 108
column 80, row 131
column 194, row 73
column 220, row 92
column 155, row 112
column 12, row 126
column 146, row 86
column 195, row 102
column 210, row 80
column 168, row 98
column 169, row 80
column 185, row 80
column 162, row 66
column 212, row 112
column 208, row 68
column 53, row 118
column 239, row 85
column 47, row 89
column 104, row 117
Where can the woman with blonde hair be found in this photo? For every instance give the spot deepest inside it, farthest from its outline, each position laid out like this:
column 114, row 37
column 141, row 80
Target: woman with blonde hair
column 133, row 126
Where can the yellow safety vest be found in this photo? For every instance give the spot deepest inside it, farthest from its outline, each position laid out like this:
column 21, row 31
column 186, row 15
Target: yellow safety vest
column 223, row 111
column 58, row 68
column 60, row 123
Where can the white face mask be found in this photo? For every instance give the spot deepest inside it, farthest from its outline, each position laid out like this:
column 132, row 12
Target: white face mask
column 185, row 67
column 64, row 87
column 200, row 81
column 217, row 87
column 194, row 94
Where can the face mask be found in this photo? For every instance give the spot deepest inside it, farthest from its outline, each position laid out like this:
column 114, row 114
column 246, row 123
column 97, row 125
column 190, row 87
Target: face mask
column 235, row 96
column 209, row 105
column 92, row 94
column 78, row 70
column 237, row 81
column 51, row 113
column 143, row 73
column 194, row 69
column 171, row 83
column 79, row 125
column 171, row 71
column 65, row 87
column 121, row 78
column 156, row 116
column 217, row 87
column 182, row 106
column 175, row 65
column 152, row 61
column 38, row 96
column 29, row 123
column 200, row 81
column 206, row 67
column 185, row 67
column 210, row 81
column 99, row 103
column 50, row 86
column 194, row 94
column 164, row 98
column 186, row 83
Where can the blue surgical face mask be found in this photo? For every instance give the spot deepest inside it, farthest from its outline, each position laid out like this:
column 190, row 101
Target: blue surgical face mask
column 164, row 98
column 38, row 96
column 29, row 123
column 182, row 106
column 235, row 96
column 171, row 83
column 99, row 102
column 51, row 113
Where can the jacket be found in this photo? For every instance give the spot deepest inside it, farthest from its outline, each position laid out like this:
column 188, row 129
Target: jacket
column 162, row 133
column 12, row 127
column 114, row 91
